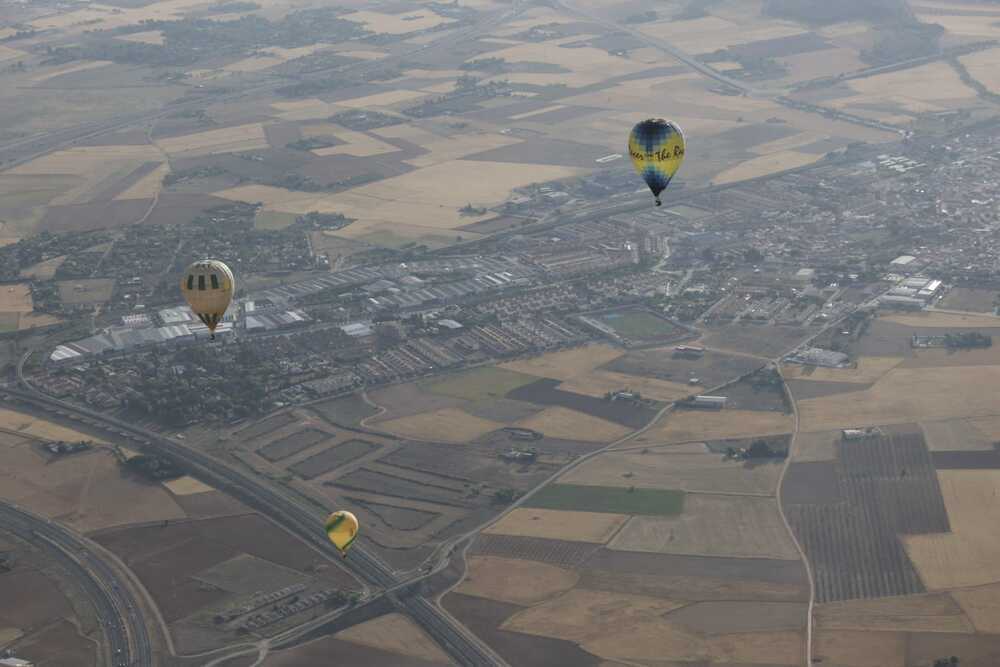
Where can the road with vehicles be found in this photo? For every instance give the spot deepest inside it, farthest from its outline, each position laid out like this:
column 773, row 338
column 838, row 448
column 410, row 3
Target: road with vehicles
column 118, row 612
column 25, row 149
column 293, row 513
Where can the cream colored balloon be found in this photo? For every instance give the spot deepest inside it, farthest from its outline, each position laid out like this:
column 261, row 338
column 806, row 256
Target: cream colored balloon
column 208, row 287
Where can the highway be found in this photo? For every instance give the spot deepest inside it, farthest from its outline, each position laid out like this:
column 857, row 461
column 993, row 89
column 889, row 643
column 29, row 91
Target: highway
column 295, row 515
column 117, row 611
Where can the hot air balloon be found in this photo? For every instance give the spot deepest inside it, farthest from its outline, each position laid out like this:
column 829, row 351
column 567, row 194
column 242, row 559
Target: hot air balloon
column 656, row 147
column 342, row 528
column 208, row 287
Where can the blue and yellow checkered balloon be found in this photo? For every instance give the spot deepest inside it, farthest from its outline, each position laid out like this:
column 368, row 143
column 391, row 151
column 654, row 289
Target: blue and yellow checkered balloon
column 656, row 147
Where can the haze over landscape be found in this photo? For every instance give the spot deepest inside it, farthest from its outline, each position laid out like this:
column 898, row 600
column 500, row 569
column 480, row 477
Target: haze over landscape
column 756, row 426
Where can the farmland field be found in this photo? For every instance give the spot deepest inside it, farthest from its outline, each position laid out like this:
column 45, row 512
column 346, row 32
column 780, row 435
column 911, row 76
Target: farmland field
column 559, row 422
column 559, row 525
column 969, row 299
column 395, row 633
column 614, row 500
column 932, row 612
column 445, row 425
column 733, row 526
column 515, row 581
column 701, row 425
column 562, row 553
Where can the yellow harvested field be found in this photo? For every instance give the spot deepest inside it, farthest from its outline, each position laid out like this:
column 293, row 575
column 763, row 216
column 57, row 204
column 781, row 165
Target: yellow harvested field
column 907, row 395
column 989, row 427
column 39, row 428
column 698, row 425
column 187, row 486
column 970, row 554
column 16, row 298
column 106, row 17
column 86, row 491
column 247, row 137
column 559, row 422
column 386, row 99
column 765, row 165
column 444, row 149
column 566, row 364
column 941, row 320
column 712, row 525
column 867, row 371
column 397, row 24
column 685, row 467
column 712, row 33
column 583, row 615
column 587, row 65
column 788, row 143
column 598, row 383
column 445, row 425
column 962, row 25
column 925, row 88
column 559, row 525
column 303, row 109
column 956, row 434
column 538, row 112
column 146, row 37
column 148, row 186
column 273, row 56
column 34, row 320
column 357, row 144
column 982, row 606
column 516, row 581
column 363, row 55
column 933, row 612
column 845, row 648
column 429, row 197
column 397, row 634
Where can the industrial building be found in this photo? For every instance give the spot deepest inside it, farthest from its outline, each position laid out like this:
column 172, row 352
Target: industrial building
column 710, row 402
column 815, row 356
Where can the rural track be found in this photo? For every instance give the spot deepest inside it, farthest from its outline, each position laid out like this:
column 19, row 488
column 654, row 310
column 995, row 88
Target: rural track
column 124, row 628
column 288, row 513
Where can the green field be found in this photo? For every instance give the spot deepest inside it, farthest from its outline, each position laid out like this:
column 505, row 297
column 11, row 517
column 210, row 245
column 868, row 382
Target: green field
column 478, row 384
column 638, row 325
column 9, row 322
column 614, row 500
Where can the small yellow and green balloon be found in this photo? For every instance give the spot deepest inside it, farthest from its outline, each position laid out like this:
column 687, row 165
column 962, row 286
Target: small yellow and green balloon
column 208, row 286
column 656, row 147
column 342, row 528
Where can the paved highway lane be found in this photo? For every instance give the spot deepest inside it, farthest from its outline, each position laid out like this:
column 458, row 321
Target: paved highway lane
column 118, row 612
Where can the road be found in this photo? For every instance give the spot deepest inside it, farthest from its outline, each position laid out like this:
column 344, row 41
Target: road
column 25, row 149
column 294, row 514
column 117, row 610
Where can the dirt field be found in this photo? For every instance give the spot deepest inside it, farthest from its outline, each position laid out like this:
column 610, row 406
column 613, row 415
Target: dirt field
column 933, row 612
column 713, row 368
column 515, row 581
column 443, row 149
column 766, row 164
column 87, row 492
column 479, row 384
column 701, row 425
column 397, row 24
column 971, row 299
column 187, row 486
column 566, row 364
column 943, row 320
column 688, row 468
column 562, row 553
column 244, row 574
column 445, row 425
column 691, row 587
column 397, row 634
column 85, row 290
column 318, row 652
column 905, row 395
column 956, row 434
column 292, row 444
column 763, row 341
column 860, row 649
column 16, row 298
column 560, row 525
column 44, row 270
column 720, row 618
column 357, row 144
column 931, row 87
column 39, row 428
column 734, row 526
column 970, row 554
column 816, row 446
column 146, row 187
column 226, row 140
column 982, row 606
column 583, row 615
column 558, row 422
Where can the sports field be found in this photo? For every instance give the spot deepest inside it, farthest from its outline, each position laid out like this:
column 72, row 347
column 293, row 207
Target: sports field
column 653, row 502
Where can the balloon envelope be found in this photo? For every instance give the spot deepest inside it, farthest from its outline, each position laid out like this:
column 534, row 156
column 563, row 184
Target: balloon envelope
column 342, row 528
column 656, row 147
column 208, row 287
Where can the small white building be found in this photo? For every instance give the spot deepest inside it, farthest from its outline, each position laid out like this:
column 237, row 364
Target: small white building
column 714, row 402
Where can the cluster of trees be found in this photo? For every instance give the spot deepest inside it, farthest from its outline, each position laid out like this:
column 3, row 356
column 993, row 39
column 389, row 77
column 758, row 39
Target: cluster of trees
column 153, row 468
column 967, row 340
column 486, row 65
column 45, row 245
